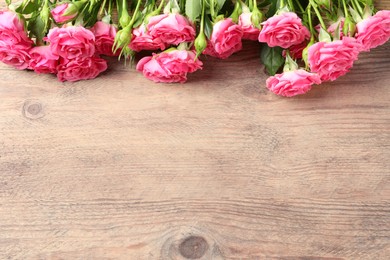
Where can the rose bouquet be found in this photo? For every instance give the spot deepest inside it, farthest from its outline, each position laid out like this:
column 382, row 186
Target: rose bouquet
column 303, row 42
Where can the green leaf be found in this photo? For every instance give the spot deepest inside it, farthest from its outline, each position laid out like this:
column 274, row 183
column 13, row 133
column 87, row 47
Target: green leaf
column 272, row 58
column 220, row 4
column 27, row 7
column 193, row 9
column 208, row 27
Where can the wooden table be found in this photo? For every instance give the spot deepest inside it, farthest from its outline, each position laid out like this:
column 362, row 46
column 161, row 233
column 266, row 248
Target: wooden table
column 218, row 168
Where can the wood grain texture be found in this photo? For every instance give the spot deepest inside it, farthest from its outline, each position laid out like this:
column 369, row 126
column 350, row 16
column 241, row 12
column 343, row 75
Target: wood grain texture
column 218, row 168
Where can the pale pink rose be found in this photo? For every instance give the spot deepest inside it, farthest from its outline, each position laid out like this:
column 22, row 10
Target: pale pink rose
column 143, row 41
column 58, row 14
column 169, row 67
column 333, row 59
column 292, row 83
column 171, row 28
column 104, row 38
column 72, row 42
column 250, row 32
column 225, row 39
column 80, row 68
column 43, row 60
column 284, row 30
column 15, row 56
column 12, row 31
column 374, row 31
column 296, row 50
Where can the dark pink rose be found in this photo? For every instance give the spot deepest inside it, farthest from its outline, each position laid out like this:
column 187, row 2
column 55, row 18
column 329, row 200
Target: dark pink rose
column 250, row 32
column 104, row 38
column 80, row 68
column 59, row 11
column 292, row 83
column 169, row 67
column 12, row 31
column 374, row 31
column 72, row 42
column 284, row 30
column 296, row 50
column 15, row 56
column 225, row 39
column 43, row 60
column 142, row 40
column 171, row 28
column 331, row 60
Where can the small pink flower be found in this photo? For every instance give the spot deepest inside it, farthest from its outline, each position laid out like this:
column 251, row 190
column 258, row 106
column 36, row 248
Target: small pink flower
column 12, row 31
column 143, row 41
column 58, row 14
column 292, row 83
column 333, row 59
column 171, row 28
column 169, row 67
column 15, row 56
column 225, row 39
column 332, row 28
column 250, row 32
column 104, row 38
column 296, row 50
column 43, row 60
column 71, row 42
column 284, row 30
column 374, row 31
column 80, row 68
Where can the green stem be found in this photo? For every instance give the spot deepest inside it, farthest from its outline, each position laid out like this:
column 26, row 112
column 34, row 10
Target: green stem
column 300, row 6
column 202, row 17
column 291, row 5
column 310, row 21
column 281, row 4
column 346, row 13
column 135, row 12
column 212, row 10
column 358, row 7
column 318, row 14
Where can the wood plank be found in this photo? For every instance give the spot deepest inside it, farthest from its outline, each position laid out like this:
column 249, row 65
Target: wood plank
column 218, row 168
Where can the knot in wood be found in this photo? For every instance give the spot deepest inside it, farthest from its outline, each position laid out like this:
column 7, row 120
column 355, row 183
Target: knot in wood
column 32, row 109
column 193, row 247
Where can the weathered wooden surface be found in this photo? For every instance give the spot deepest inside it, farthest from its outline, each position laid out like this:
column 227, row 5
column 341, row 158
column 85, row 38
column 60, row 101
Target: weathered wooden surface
column 218, row 168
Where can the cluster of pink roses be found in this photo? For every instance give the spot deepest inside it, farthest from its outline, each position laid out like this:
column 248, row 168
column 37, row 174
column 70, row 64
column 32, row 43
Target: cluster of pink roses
column 328, row 59
column 75, row 53
column 72, row 53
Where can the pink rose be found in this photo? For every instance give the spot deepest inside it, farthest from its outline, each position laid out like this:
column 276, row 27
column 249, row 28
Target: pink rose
column 15, row 56
column 296, row 50
column 12, row 31
column 333, row 59
column 142, row 40
column 292, row 83
column 249, row 31
column 169, row 67
column 283, row 30
column 104, row 38
column 179, row 61
column 58, row 14
column 374, row 31
column 72, row 42
column 43, row 60
column 171, row 28
column 332, row 28
column 225, row 39
column 80, row 68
